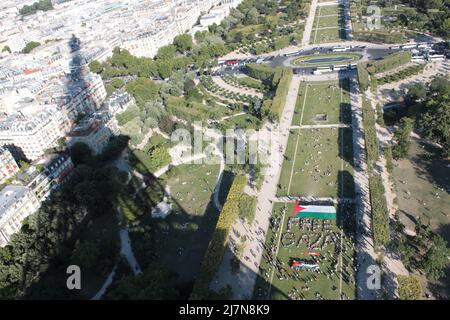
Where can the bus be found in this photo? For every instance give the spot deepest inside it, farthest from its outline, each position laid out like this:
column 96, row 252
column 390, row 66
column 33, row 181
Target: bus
column 292, row 53
column 340, row 67
column 340, row 49
column 324, row 69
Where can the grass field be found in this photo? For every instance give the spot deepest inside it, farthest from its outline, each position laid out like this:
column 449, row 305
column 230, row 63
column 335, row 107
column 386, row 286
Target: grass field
column 191, row 186
column 289, row 238
column 326, row 59
column 328, row 24
column 329, row 98
column 422, row 183
column 179, row 241
column 314, row 170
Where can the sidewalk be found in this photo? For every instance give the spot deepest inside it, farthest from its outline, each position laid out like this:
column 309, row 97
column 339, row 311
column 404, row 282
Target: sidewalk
column 366, row 256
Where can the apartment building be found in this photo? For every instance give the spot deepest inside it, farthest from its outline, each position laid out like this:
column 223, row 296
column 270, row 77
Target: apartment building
column 8, row 166
column 30, row 136
column 16, row 203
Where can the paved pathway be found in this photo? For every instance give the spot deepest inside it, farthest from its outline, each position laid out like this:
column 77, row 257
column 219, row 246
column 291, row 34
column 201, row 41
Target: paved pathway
column 321, row 126
column 127, row 251
column 392, row 264
column 364, row 243
column 309, row 23
column 106, row 284
column 348, row 20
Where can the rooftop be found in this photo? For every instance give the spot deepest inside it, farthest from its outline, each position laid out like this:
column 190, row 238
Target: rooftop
column 9, row 195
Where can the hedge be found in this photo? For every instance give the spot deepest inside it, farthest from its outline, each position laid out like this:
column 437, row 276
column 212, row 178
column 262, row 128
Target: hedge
column 380, row 213
column 402, row 74
column 260, row 71
column 378, row 37
column 392, row 61
column 279, row 100
column 219, row 241
column 370, row 133
column 363, row 76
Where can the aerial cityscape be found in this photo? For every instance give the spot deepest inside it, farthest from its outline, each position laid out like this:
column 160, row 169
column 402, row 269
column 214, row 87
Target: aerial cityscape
column 225, row 150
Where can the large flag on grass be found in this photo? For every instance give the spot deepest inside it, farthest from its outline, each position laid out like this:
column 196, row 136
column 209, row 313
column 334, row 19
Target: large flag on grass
column 314, row 212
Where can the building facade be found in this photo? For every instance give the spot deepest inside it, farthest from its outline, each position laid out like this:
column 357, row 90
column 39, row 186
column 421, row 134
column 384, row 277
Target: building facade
column 31, row 136
column 8, row 166
column 16, row 203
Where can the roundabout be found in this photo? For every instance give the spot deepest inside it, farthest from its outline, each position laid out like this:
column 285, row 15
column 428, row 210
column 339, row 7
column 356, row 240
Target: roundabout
column 326, row 59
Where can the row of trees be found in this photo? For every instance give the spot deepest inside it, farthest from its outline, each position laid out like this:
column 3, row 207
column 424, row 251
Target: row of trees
column 43, row 5
column 380, row 214
column 219, row 241
column 279, row 100
column 368, row 70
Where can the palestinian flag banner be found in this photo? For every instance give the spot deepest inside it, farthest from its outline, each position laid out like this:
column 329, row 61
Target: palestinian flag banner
column 314, row 212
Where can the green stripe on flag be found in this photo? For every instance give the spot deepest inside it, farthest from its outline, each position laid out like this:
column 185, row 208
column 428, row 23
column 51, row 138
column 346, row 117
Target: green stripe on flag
column 316, row 215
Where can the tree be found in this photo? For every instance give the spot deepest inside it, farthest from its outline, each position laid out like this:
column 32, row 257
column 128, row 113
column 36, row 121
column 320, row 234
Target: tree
column 114, row 148
column 434, row 120
column 30, row 46
column 166, row 53
column 164, row 68
column 151, row 284
column 86, row 255
column 6, row 49
column 403, row 138
column 183, row 42
column 189, row 86
column 252, row 16
column 80, row 153
column 96, row 67
column 117, row 83
column 43, row 5
column 143, row 89
column 446, row 28
column 166, row 124
column 436, row 259
column 409, row 288
column 416, row 93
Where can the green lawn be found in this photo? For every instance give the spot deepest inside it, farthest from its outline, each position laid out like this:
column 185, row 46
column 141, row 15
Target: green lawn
column 313, row 170
column 296, row 236
column 327, row 35
column 422, row 182
column 329, row 98
column 180, row 241
column 328, row 17
column 329, row 10
column 328, row 21
column 191, row 186
column 326, row 59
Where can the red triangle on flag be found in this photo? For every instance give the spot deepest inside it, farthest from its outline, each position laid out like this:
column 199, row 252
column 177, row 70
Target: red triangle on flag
column 298, row 208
